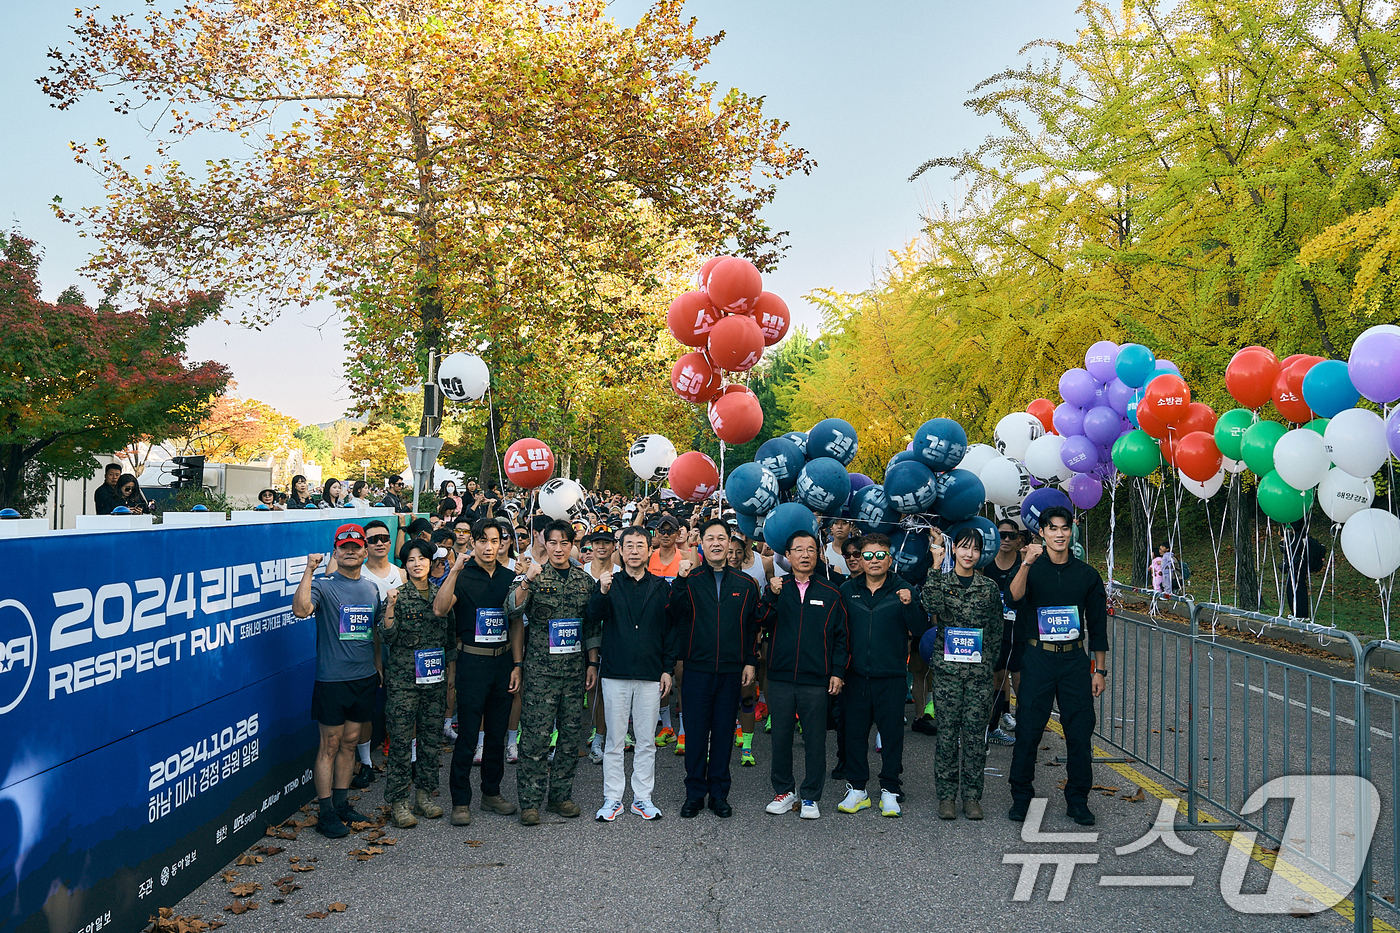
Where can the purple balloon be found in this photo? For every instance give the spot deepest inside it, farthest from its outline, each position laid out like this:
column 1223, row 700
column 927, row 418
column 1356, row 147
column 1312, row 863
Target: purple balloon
column 1079, row 454
column 1374, row 366
column 1102, row 424
column 1085, row 491
column 860, row 481
column 1392, row 432
column 1168, row 364
column 1038, row 501
column 1077, row 388
column 1119, row 395
column 1068, row 420
column 1100, row 358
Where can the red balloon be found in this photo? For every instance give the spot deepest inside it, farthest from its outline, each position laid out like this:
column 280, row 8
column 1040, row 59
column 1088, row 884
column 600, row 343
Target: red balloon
column 1250, row 376
column 694, row 379
column 1168, row 448
column 1199, row 417
column 691, row 317
column 1167, row 397
column 1290, row 360
column 773, row 317
column 709, row 266
column 734, row 285
column 693, row 476
column 1149, row 422
column 1197, row 456
column 736, row 343
column 1044, row 411
column 1298, row 370
column 1289, row 401
column 529, row 463
column 736, row 417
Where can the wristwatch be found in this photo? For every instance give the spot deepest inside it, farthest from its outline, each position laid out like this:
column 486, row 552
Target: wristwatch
column 1100, row 670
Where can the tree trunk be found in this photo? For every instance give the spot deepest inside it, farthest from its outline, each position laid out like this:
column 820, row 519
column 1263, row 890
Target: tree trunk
column 1139, row 520
column 1244, row 535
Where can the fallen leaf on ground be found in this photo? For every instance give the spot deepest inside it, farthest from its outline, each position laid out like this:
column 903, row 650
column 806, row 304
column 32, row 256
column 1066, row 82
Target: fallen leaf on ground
column 246, row 859
column 245, row 889
column 338, row 907
column 288, row 886
column 1136, row 798
column 241, row 907
column 303, row 868
column 474, row 842
column 373, row 835
column 276, row 833
column 358, row 826
column 167, row 922
column 268, row 850
column 278, row 900
column 386, row 841
column 317, row 915
column 1105, row 787
column 230, row 875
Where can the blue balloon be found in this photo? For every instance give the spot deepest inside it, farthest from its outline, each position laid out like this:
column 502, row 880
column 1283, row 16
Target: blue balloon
column 1133, row 365
column 262, row 507
column 1163, row 368
column 783, row 458
column 911, row 486
column 1328, row 390
column 750, row 525
column 940, row 443
column 800, row 439
column 931, row 644
column 200, row 508
column 960, row 494
column 872, row 512
column 1133, row 405
column 832, row 438
column 991, row 538
column 787, row 520
column 910, row 550
column 1037, row 502
column 900, row 457
column 751, row 489
column 823, row 486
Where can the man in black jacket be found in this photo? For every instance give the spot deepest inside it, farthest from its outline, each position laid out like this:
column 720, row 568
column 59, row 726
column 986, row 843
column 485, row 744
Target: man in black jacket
column 636, row 660
column 883, row 614
column 714, row 611
column 807, row 660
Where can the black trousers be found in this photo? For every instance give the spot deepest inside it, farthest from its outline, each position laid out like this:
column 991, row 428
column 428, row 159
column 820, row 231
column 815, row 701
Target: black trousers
column 877, row 700
column 483, row 692
column 808, row 702
column 710, row 702
column 1054, row 677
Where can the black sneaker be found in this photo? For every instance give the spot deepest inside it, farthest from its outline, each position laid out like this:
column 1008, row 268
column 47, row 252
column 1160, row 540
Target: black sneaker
column 349, row 814
column 1080, row 813
column 1017, row 813
column 330, row 825
column 924, row 725
column 363, row 778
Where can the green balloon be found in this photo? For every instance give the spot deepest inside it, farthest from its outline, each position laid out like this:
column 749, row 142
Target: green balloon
column 1257, row 447
column 1230, row 428
column 1136, row 453
column 1318, row 425
column 1282, row 502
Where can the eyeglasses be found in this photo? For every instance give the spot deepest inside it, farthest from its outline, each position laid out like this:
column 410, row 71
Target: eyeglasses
column 522, row 535
column 874, row 555
column 378, row 539
column 585, row 550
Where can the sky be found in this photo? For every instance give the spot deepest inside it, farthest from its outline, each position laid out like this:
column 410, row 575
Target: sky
column 871, row 90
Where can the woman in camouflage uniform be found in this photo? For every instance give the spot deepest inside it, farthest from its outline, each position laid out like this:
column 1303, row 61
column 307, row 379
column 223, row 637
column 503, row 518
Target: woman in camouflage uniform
column 966, row 607
column 420, row 647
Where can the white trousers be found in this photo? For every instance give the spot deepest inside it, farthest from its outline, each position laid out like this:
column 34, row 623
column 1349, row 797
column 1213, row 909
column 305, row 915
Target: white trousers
column 640, row 699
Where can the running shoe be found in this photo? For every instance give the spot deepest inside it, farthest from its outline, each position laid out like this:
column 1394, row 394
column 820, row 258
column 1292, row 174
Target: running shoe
column 760, row 710
column 855, row 801
column 449, row 733
column 782, row 803
column 889, row 803
column 480, row 751
column 595, row 755
column 999, row 737
column 879, row 746
column 645, row 810
column 810, row 810
column 609, row 811
column 512, row 753
column 1008, row 722
column 767, row 724
column 738, row 736
column 665, row 737
column 629, row 743
column 680, row 744
column 746, row 758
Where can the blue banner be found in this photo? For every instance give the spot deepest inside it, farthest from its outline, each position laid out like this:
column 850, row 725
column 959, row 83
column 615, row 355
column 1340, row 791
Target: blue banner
column 155, row 695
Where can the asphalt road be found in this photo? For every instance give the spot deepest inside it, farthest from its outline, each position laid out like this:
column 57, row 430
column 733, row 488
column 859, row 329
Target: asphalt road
column 750, row 872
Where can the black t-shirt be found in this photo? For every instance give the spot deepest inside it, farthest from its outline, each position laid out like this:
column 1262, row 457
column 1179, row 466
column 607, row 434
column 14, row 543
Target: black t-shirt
column 1071, row 585
column 481, row 601
column 1002, row 578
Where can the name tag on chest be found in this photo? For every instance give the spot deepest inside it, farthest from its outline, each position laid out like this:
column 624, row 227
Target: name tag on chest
column 1058, row 623
column 356, row 623
column 963, row 645
column 564, row 636
column 428, row 665
column 490, row 626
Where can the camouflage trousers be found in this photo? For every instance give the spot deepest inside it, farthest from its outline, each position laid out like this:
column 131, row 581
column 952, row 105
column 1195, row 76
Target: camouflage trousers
column 412, row 711
column 548, row 702
column 962, row 694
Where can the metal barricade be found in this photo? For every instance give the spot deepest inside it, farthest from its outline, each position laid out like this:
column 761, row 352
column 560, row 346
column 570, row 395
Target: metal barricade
column 1379, row 721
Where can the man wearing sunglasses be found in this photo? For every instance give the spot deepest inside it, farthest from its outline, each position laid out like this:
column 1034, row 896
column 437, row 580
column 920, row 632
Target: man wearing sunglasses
column 1006, row 673
column 883, row 612
column 386, row 577
column 348, row 610
column 393, row 496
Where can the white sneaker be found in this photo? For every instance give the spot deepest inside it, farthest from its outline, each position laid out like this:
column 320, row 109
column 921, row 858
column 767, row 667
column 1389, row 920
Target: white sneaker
column 645, row 810
column 1008, row 722
column 810, row 810
column 609, row 811
column 889, row 803
column 480, row 750
column 512, row 753
column 879, row 745
column 448, row 732
column 782, row 803
column 595, row 754
column 855, row 801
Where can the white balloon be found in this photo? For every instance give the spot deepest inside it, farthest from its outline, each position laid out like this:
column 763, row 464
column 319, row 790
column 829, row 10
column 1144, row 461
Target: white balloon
column 1015, row 432
column 1043, row 458
column 463, row 377
column 1232, row 466
column 1009, row 513
column 562, row 499
column 1203, row 490
column 1355, row 441
column 650, row 457
column 1301, row 458
column 1342, row 495
column 1005, row 481
column 976, row 457
column 1377, row 329
column 1371, row 542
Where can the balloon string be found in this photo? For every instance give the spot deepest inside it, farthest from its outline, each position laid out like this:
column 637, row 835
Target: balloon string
column 495, row 443
column 1112, row 526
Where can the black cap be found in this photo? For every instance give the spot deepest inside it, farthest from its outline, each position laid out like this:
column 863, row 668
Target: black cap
column 667, row 521
column 600, row 536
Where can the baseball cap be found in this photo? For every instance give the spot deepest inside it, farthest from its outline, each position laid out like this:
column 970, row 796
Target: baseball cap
column 665, row 522
column 440, row 553
column 350, row 534
column 603, row 535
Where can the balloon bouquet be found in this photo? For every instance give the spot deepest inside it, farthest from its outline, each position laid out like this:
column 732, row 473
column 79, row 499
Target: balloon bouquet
column 529, row 464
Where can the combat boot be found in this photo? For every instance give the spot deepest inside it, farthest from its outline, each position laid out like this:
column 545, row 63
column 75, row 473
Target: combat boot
column 529, row 817
column 423, row 805
column 403, row 817
column 461, row 816
column 563, row 808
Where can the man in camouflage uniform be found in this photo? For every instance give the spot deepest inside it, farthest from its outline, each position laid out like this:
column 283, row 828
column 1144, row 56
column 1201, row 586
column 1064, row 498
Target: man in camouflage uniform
column 966, row 600
column 557, row 638
column 421, row 645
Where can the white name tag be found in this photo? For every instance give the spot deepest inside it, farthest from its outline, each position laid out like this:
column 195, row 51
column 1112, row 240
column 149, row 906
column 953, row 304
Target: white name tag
column 816, row 602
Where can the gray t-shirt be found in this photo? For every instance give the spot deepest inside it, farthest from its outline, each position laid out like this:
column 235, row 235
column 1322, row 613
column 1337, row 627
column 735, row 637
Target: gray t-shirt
column 346, row 613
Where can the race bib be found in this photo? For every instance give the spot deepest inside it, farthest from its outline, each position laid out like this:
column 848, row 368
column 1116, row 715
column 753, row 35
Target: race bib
column 1058, row 623
column 963, row 645
column 428, row 665
column 490, row 626
column 356, row 623
column 564, row 636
